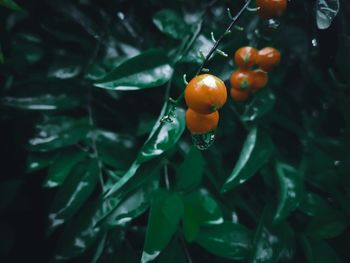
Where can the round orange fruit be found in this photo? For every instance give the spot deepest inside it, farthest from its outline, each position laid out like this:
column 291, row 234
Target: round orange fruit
column 201, row 123
column 245, row 57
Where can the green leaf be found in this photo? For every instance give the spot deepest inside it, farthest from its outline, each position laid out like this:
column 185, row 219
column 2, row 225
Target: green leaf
column 163, row 138
column 262, row 103
column 228, row 240
column 174, row 253
column 47, row 102
column 74, row 192
column 10, row 4
column 326, row 11
column 256, row 151
column 291, row 190
column 325, row 222
column 272, row 241
column 171, row 23
column 190, row 172
column 62, row 166
column 37, row 161
column 80, row 234
column 147, row 70
column 199, row 209
column 318, row 251
column 58, row 132
column 165, row 214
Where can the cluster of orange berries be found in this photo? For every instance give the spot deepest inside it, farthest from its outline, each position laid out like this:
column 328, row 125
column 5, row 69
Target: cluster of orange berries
column 245, row 81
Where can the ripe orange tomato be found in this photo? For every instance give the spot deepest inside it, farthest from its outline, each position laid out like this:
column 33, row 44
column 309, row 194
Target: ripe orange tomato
column 205, row 94
column 260, row 79
column 240, row 95
column 245, row 57
column 201, row 123
column 268, row 57
column 241, row 79
column 271, row 8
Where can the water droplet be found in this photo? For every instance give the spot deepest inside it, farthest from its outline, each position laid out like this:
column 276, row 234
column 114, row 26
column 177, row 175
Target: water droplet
column 271, row 24
column 121, row 15
column 203, row 141
column 314, row 42
column 337, row 163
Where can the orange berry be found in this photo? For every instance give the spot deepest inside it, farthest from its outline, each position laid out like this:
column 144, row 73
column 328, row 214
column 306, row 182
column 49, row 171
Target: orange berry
column 260, row 79
column 205, row 94
column 241, row 79
column 268, row 57
column 271, row 8
column 240, row 95
column 201, row 123
column 245, row 57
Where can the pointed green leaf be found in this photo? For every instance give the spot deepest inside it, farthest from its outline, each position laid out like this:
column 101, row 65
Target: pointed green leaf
column 147, row 70
column 165, row 214
column 74, row 192
column 199, row 209
column 62, row 165
column 262, row 103
column 171, row 23
column 190, row 172
column 37, row 161
column 291, row 190
column 228, row 240
column 161, row 140
column 256, row 151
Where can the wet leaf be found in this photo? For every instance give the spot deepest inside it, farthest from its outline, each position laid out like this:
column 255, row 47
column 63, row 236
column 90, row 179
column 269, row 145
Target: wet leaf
column 291, row 189
column 47, row 102
column 190, row 172
column 261, row 104
column 325, row 221
column 150, row 69
column 62, row 165
column 37, row 161
column 171, row 23
column 272, row 241
column 256, row 151
column 165, row 214
column 326, row 11
column 73, row 193
column 161, row 139
column 199, row 209
column 228, row 240
column 58, row 132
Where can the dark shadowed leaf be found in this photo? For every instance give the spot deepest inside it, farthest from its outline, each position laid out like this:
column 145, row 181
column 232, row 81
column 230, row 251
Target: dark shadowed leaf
column 150, row 69
column 165, row 214
column 174, row 253
column 228, row 240
column 256, row 150
column 272, row 241
column 73, row 193
column 62, row 165
column 318, row 251
column 200, row 209
column 291, row 189
column 261, row 104
column 37, row 161
column 190, row 172
column 58, row 132
column 171, row 23
column 10, row 4
column 46, row 102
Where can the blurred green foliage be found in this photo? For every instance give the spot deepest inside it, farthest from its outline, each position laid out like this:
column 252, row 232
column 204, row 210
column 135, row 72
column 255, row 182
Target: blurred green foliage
column 93, row 172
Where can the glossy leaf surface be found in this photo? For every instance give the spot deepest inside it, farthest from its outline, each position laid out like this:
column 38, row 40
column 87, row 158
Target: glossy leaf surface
column 326, row 11
column 257, row 149
column 147, row 70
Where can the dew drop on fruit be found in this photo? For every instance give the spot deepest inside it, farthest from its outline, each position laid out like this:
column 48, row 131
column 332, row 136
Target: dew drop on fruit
column 203, row 141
